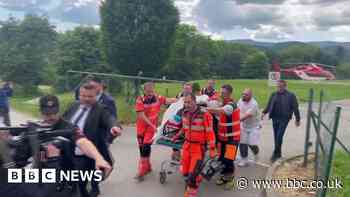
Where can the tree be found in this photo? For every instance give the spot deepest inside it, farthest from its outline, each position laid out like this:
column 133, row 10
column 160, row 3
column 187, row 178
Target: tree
column 298, row 53
column 343, row 71
column 24, row 49
column 189, row 55
column 228, row 58
column 340, row 53
column 255, row 67
column 137, row 35
column 80, row 50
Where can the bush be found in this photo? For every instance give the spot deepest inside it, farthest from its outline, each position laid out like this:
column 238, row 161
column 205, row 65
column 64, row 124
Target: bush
column 343, row 71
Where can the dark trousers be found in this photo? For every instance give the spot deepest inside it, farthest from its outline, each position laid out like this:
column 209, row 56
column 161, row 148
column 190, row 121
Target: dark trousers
column 243, row 149
column 279, row 128
column 83, row 163
column 95, row 187
column 6, row 116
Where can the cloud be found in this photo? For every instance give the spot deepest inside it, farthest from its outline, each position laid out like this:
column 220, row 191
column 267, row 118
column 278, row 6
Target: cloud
column 259, row 1
column 185, row 8
column 238, row 19
column 225, row 15
column 319, row 2
column 80, row 11
column 269, row 32
column 333, row 16
column 269, row 19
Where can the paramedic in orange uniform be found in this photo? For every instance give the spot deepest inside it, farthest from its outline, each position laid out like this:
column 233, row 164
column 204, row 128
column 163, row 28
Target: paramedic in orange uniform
column 148, row 108
column 197, row 127
column 228, row 135
column 210, row 91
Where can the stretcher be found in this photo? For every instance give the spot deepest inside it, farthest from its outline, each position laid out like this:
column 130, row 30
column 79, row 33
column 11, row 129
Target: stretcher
column 167, row 130
column 169, row 166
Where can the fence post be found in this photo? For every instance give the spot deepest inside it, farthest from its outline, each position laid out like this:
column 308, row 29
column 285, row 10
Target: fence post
column 331, row 150
column 308, row 127
column 318, row 133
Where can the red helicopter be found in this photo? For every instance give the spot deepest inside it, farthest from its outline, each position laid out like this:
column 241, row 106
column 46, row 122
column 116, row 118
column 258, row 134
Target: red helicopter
column 307, row 71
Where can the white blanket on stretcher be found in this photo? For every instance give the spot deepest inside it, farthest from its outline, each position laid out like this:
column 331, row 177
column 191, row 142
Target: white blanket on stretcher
column 170, row 113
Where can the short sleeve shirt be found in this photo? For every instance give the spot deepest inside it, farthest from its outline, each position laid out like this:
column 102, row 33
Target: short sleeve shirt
column 249, row 107
column 151, row 106
column 141, row 104
column 228, row 109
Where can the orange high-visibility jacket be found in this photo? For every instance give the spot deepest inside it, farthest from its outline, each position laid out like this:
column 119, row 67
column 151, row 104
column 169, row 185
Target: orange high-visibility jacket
column 198, row 128
column 213, row 95
column 229, row 125
column 151, row 106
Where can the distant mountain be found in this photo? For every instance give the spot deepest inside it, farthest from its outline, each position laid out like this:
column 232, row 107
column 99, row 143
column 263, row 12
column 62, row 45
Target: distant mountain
column 326, row 44
column 321, row 44
column 253, row 43
column 328, row 47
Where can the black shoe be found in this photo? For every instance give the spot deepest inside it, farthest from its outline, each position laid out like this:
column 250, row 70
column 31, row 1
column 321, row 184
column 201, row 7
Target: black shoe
column 275, row 158
column 94, row 193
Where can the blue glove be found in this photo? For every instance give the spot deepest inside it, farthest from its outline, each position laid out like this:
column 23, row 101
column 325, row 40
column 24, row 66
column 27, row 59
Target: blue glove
column 177, row 118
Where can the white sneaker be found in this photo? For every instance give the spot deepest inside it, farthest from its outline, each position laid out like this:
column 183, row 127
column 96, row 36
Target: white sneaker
column 243, row 162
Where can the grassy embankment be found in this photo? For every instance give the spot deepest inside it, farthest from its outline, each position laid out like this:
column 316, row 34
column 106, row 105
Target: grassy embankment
column 341, row 171
column 334, row 91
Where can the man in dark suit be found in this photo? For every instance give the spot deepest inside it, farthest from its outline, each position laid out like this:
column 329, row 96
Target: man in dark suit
column 102, row 97
column 98, row 125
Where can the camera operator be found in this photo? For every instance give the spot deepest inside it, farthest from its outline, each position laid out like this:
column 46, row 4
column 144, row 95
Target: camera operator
column 49, row 107
column 13, row 190
column 56, row 155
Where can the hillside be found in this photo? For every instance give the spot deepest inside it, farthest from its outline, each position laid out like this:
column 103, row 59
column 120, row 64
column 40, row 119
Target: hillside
column 321, row 44
column 328, row 47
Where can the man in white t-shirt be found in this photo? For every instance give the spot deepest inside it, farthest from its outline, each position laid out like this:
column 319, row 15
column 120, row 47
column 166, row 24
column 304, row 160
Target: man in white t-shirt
column 250, row 126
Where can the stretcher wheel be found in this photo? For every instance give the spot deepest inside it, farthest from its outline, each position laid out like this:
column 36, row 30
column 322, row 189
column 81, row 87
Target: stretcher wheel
column 162, row 177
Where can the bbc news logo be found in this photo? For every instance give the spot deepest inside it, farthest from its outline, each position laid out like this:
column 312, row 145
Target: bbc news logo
column 52, row 175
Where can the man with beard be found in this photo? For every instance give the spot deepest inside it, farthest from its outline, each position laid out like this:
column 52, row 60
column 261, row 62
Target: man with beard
column 250, row 126
column 196, row 125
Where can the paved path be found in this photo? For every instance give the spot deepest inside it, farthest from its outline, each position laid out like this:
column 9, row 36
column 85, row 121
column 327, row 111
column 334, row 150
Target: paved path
column 125, row 150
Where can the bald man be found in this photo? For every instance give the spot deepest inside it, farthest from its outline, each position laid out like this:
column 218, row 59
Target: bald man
column 250, row 126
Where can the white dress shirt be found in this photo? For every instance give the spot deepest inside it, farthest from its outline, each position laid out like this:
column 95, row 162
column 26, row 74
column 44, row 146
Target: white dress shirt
column 81, row 123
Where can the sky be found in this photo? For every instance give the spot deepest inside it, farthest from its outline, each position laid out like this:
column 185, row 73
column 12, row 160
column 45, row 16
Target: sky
column 260, row 20
column 269, row 20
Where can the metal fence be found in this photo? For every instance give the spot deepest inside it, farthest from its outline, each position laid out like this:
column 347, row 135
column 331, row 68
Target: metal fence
column 126, row 85
column 323, row 118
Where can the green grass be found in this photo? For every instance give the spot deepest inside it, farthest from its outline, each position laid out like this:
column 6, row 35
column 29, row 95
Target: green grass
column 19, row 103
column 341, row 171
column 261, row 90
column 125, row 112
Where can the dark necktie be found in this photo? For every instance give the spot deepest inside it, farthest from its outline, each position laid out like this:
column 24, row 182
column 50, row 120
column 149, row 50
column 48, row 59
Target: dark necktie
column 80, row 116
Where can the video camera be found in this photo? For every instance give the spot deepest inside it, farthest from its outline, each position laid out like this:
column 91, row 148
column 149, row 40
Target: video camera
column 27, row 144
column 30, row 141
